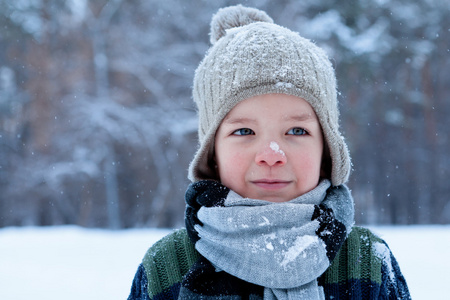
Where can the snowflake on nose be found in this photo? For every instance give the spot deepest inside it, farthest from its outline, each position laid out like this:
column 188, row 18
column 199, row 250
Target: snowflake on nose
column 275, row 147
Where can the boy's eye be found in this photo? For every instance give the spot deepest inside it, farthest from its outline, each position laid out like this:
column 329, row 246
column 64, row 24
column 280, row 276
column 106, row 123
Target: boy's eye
column 297, row 131
column 244, row 131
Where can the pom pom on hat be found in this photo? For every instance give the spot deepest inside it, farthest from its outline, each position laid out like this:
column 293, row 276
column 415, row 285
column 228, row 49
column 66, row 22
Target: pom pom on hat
column 232, row 17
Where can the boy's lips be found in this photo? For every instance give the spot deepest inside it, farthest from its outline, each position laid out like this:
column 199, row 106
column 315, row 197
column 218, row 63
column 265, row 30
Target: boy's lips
column 271, row 184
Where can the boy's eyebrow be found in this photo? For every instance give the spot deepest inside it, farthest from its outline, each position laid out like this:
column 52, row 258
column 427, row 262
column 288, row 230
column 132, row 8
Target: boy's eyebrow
column 300, row 117
column 238, row 120
column 297, row 118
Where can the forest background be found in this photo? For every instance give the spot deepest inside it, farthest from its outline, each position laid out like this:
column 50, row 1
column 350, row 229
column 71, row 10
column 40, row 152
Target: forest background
column 97, row 124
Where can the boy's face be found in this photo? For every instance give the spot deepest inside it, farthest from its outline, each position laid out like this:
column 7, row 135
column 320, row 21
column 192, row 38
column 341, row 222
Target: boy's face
column 269, row 147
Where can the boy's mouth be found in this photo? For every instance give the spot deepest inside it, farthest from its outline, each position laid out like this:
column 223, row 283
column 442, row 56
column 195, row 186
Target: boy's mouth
column 271, row 184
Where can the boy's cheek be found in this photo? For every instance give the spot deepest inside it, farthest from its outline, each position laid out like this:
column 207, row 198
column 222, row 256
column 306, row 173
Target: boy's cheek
column 232, row 164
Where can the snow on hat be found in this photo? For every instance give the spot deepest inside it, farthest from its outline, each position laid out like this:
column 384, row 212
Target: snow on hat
column 250, row 56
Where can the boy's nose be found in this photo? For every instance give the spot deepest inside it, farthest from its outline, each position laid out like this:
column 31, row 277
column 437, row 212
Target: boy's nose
column 271, row 155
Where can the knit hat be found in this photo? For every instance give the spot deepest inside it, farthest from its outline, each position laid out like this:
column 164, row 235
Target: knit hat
column 250, row 56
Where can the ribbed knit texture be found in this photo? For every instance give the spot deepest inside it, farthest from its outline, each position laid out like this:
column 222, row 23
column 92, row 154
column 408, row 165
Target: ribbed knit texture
column 359, row 271
column 172, row 258
column 356, row 271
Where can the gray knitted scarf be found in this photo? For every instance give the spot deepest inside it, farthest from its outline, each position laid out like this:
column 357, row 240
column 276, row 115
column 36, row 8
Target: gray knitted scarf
column 279, row 246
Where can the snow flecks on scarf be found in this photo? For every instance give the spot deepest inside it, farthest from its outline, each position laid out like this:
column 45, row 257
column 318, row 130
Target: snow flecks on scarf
column 300, row 245
column 384, row 254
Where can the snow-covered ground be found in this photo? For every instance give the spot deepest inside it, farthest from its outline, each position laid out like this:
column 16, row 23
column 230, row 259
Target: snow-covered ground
column 75, row 263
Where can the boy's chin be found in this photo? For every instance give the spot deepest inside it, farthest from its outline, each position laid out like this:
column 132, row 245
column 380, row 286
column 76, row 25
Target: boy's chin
column 274, row 197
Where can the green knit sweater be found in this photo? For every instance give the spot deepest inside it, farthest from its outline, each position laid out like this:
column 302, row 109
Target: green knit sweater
column 364, row 268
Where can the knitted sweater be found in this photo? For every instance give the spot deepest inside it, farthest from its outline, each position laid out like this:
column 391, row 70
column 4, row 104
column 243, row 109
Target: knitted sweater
column 364, row 268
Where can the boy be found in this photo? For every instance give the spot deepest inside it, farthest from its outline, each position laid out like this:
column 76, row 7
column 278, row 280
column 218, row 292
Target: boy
column 268, row 215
